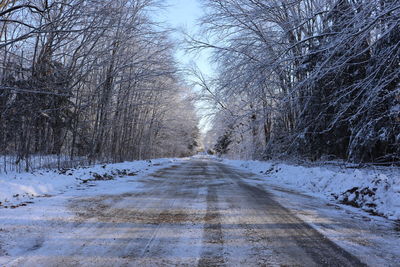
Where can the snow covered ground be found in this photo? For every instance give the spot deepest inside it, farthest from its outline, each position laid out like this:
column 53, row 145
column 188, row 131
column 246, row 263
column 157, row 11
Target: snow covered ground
column 376, row 191
column 19, row 189
column 35, row 206
column 39, row 223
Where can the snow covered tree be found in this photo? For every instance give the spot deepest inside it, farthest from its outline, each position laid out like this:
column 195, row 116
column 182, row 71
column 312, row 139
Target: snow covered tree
column 317, row 78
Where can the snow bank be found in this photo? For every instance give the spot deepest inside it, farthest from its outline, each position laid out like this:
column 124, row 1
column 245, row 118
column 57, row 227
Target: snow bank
column 15, row 188
column 375, row 191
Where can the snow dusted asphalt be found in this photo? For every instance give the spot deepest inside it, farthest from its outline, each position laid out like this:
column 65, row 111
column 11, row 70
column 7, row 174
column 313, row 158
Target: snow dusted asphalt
column 192, row 212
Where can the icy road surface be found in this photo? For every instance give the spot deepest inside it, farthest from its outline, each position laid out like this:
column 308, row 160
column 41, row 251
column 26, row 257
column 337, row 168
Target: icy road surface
column 196, row 213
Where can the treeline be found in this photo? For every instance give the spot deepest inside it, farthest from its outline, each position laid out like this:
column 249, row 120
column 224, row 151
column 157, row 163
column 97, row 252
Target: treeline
column 90, row 78
column 315, row 78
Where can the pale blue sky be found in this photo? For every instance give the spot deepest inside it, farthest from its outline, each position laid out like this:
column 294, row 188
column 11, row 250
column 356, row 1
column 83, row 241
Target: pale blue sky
column 183, row 14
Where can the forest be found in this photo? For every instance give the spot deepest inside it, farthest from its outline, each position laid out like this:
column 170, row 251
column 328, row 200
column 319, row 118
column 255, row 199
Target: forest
column 311, row 79
column 84, row 81
column 92, row 81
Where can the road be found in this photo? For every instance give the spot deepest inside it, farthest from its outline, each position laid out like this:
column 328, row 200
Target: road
column 198, row 213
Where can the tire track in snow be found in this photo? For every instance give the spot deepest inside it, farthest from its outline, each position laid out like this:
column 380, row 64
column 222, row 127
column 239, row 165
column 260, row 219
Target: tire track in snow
column 213, row 242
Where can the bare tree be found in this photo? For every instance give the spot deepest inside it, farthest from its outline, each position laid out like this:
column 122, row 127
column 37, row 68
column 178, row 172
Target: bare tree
column 303, row 77
column 89, row 79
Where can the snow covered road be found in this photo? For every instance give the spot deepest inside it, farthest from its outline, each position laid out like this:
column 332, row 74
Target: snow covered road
column 198, row 212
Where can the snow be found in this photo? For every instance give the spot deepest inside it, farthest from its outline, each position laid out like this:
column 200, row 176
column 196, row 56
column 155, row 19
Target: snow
column 18, row 188
column 26, row 229
column 43, row 202
column 374, row 191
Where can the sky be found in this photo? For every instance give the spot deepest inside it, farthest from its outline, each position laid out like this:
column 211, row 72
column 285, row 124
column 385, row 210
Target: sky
column 184, row 14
